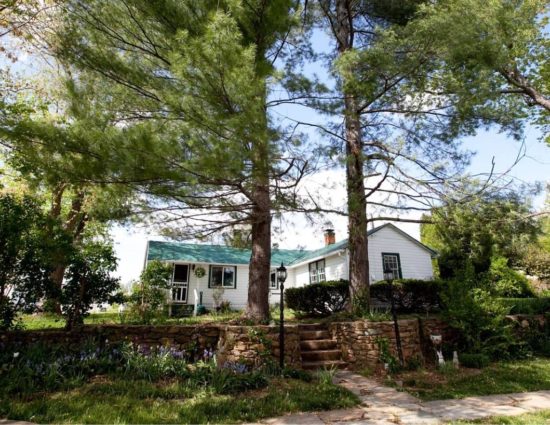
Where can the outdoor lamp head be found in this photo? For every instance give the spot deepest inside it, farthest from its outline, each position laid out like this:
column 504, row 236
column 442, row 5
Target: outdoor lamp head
column 281, row 273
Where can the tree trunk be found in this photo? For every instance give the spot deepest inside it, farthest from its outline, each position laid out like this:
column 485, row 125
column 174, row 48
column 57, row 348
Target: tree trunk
column 260, row 261
column 357, row 203
column 357, row 211
column 75, row 225
column 75, row 316
column 56, row 276
column 57, row 282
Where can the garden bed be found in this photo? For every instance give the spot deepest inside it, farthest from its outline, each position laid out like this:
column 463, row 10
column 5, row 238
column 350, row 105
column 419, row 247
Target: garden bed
column 129, row 383
column 498, row 378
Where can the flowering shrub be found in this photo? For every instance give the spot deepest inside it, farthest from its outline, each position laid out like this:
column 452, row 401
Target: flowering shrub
column 48, row 367
column 43, row 367
column 153, row 363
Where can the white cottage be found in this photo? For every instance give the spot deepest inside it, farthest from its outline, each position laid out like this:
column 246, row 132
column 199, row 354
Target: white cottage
column 200, row 270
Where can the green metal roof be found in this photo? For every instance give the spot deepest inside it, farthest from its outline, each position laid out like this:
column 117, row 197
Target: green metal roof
column 221, row 254
column 213, row 254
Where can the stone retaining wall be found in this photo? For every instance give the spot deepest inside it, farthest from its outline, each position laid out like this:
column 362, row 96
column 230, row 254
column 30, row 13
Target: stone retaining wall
column 231, row 343
column 200, row 336
column 252, row 344
column 358, row 340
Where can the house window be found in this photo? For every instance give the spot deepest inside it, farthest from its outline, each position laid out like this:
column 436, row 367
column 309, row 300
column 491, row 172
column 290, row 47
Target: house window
column 392, row 262
column 180, row 283
column 223, row 276
column 273, row 282
column 317, row 271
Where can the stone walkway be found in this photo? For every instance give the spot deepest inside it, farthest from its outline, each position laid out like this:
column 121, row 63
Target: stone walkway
column 382, row 405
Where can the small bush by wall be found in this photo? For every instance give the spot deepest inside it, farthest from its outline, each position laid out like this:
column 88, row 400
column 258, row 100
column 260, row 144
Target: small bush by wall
column 526, row 305
column 319, row 299
column 410, row 295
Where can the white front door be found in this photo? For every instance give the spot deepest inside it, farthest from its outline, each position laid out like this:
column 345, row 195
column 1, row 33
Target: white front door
column 180, row 283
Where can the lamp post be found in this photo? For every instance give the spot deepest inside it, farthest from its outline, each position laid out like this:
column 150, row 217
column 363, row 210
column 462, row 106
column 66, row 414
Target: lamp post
column 388, row 277
column 281, row 277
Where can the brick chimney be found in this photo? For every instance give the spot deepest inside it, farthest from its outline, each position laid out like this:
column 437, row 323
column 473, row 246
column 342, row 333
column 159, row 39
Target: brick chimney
column 330, row 236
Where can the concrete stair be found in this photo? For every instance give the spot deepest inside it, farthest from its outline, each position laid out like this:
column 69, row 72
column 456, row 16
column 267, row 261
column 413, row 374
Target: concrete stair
column 318, row 348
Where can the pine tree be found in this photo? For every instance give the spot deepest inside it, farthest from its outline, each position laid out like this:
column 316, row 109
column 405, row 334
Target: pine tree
column 189, row 82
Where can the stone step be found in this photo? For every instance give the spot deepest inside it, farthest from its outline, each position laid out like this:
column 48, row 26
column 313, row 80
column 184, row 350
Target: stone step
column 324, row 364
column 311, row 356
column 312, row 327
column 318, row 344
column 310, row 335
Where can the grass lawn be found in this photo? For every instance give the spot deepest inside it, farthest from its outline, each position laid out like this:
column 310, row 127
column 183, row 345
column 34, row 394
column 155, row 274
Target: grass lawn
column 105, row 400
column 539, row 418
column 498, row 378
column 52, row 321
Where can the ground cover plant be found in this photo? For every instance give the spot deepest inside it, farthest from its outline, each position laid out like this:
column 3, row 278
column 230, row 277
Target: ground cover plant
column 128, row 383
column 536, row 418
column 498, row 378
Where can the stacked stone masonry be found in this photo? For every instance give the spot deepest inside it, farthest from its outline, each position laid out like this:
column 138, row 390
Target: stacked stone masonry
column 356, row 340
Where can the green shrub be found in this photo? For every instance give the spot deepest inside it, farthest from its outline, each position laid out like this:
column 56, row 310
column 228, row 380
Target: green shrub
column 225, row 382
column 318, row 299
column 476, row 361
column 506, row 282
column 536, row 335
column 386, row 357
column 302, row 375
column 413, row 363
column 149, row 294
column 526, row 305
column 478, row 317
column 410, row 295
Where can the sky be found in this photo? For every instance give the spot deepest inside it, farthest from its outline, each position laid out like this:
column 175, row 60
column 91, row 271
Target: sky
column 296, row 230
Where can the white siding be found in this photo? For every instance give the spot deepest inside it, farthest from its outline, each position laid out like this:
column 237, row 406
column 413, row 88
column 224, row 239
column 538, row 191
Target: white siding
column 336, row 268
column 301, row 275
column 237, row 297
column 416, row 262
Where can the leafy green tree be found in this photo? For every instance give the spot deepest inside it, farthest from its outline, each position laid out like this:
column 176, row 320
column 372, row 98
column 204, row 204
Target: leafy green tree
column 500, row 48
column 88, row 281
column 238, row 237
column 544, row 239
column 535, row 261
column 149, row 295
column 472, row 234
column 74, row 205
column 25, row 262
column 506, row 282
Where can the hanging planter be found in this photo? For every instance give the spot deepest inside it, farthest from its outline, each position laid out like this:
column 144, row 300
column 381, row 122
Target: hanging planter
column 200, row 272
